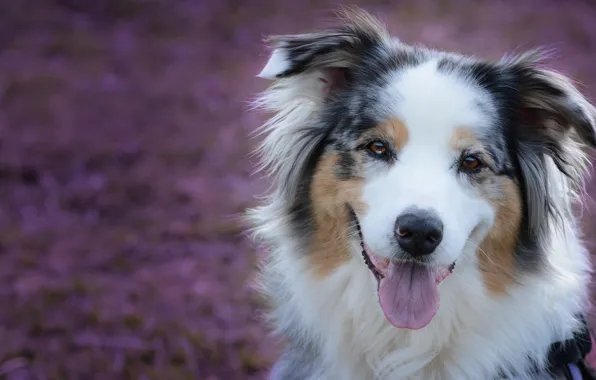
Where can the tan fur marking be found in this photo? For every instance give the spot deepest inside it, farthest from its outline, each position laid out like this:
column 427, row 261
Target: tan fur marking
column 395, row 131
column 462, row 138
column 496, row 254
column 329, row 197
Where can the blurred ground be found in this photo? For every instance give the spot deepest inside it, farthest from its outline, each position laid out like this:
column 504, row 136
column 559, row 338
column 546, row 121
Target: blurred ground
column 123, row 160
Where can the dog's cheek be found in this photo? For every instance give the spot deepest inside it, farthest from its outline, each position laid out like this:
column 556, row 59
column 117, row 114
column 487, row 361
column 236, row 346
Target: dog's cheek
column 496, row 253
column 330, row 195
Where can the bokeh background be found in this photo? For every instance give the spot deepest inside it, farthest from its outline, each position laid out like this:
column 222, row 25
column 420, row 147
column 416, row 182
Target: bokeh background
column 124, row 163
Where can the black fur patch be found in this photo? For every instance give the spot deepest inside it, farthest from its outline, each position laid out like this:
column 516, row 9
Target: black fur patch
column 344, row 169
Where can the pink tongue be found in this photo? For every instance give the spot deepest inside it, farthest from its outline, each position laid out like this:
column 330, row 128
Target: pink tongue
column 409, row 295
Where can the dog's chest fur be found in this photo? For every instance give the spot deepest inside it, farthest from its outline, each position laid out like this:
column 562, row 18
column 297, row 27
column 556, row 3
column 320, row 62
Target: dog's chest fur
column 470, row 336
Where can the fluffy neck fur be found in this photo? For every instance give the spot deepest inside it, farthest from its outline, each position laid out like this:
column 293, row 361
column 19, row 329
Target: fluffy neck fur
column 473, row 334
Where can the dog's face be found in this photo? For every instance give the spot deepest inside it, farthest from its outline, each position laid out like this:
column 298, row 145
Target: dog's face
column 433, row 167
column 435, row 159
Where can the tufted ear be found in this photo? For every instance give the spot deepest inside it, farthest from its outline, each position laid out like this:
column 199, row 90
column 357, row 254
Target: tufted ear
column 553, row 109
column 551, row 120
column 554, row 119
column 328, row 55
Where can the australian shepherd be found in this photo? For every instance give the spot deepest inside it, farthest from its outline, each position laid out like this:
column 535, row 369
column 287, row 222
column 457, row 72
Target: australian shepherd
column 421, row 223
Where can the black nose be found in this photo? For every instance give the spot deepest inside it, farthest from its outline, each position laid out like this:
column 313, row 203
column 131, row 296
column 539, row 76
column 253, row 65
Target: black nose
column 418, row 232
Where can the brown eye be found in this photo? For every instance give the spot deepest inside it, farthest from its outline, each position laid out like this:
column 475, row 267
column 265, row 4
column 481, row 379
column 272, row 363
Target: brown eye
column 471, row 163
column 377, row 147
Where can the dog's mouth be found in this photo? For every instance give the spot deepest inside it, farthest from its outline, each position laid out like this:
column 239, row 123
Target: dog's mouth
column 408, row 290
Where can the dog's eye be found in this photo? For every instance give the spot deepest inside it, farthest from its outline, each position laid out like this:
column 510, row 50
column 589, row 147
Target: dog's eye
column 378, row 148
column 470, row 163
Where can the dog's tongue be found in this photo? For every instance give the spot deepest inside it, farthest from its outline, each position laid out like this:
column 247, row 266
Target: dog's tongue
column 409, row 295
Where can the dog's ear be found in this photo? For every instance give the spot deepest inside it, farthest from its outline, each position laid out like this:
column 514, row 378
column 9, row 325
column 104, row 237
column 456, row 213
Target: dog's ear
column 553, row 118
column 552, row 122
column 328, row 55
column 552, row 109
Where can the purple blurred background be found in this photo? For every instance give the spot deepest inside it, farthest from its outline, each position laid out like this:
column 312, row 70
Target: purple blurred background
column 123, row 162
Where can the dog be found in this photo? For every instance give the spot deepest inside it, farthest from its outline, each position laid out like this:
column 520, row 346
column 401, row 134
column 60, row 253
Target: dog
column 421, row 222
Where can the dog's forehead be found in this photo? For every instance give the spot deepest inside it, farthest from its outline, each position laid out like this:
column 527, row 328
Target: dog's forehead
column 434, row 105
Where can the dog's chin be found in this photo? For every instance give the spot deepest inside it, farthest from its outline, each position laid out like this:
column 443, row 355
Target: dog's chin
column 408, row 290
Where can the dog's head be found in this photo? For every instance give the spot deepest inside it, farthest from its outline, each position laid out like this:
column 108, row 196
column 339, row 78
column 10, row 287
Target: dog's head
column 426, row 159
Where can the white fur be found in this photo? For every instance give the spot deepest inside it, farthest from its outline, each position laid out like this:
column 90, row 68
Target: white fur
column 470, row 333
column 275, row 65
column 432, row 105
column 473, row 330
